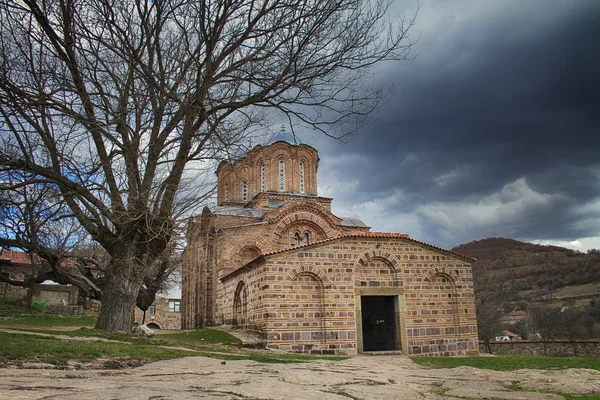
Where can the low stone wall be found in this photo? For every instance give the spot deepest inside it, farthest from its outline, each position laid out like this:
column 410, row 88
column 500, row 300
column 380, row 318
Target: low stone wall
column 555, row 348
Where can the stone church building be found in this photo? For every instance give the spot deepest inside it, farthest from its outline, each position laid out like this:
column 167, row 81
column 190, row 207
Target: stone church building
column 273, row 258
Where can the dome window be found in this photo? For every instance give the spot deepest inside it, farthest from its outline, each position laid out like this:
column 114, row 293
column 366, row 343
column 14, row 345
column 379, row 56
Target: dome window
column 301, row 177
column 281, row 175
column 262, row 177
column 244, row 191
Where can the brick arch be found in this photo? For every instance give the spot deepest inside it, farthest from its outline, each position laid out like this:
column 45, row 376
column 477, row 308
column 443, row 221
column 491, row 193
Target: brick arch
column 388, row 259
column 447, row 272
column 264, row 246
column 316, row 272
column 158, row 326
column 302, row 215
column 240, row 304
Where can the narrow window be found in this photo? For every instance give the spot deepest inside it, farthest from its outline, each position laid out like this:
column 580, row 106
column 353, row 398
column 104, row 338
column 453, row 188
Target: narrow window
column 297, row 237
column 226, row 192
column 244, row 191
column 306, row 238
column 175, row 306
column 152, row 309
column 301, row 177
column 262, row 177
column 281, row 175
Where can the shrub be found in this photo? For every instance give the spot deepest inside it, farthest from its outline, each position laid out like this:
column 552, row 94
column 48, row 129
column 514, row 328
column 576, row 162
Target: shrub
column 39, row 305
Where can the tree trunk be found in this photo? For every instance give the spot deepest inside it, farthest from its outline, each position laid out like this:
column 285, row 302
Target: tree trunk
column 118, row 302
column 488, row 346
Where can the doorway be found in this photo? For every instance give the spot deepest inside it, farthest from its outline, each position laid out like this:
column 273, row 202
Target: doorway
column 379, row 322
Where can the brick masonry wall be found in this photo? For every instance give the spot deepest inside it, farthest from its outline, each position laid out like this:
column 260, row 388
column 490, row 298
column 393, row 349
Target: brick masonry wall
column 219, row 244
column 308, row 300
column 555, row 348
column 249, row 169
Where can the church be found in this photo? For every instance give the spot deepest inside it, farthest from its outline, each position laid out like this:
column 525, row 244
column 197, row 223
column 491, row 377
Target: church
column 272, row 257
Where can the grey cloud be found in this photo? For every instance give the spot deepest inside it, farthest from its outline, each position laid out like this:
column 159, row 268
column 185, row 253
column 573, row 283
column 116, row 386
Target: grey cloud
column 501, row 91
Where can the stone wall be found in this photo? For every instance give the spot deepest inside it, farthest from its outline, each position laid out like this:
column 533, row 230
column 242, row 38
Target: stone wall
column 162, row 317
column 555, row 348
column 62, row 299
column 309, row 299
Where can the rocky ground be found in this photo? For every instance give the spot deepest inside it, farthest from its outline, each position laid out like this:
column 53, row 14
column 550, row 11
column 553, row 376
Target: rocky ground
column 362, row 377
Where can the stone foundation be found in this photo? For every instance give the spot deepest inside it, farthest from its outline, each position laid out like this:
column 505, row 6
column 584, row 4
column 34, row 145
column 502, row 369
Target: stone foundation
column 555, row 348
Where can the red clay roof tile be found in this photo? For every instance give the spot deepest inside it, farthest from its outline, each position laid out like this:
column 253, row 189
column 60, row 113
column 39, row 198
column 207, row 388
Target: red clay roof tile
column 14, row 257
column 376, row 235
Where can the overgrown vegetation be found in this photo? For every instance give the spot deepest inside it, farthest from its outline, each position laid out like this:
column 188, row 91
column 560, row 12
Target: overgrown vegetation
column 510, row 363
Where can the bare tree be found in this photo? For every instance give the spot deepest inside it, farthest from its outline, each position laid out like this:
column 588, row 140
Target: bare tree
column 491, row 290
column 34, row 219
column 571, row 325
column 114, row 102
column 545, row 322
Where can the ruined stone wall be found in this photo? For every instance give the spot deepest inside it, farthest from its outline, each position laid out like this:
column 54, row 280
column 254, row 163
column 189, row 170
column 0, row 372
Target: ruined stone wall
column 311, row 296
column 16, row 292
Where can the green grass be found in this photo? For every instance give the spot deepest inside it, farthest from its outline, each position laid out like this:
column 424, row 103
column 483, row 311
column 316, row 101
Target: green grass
column 510, row 363
column 199, row 338
column 54, row 351
column 36, row 319
column 205, row 342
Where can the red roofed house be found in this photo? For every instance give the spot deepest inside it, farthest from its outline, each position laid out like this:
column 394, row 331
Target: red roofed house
column 272, row 257
column 514, row 317
column 15, row 265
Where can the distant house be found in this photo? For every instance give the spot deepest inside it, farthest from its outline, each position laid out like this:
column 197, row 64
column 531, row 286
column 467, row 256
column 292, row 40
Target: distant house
column 164, row 313
column 14, row 265
column 506, row 336
column 514, row 317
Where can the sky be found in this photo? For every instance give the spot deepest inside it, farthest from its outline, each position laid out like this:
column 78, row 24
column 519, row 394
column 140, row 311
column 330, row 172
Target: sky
column 492, row 131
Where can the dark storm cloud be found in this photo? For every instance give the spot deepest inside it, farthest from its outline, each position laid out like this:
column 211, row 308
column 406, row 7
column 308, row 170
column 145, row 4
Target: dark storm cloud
column 505, row 100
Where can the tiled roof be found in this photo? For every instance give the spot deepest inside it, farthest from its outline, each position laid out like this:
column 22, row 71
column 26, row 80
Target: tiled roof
column 375, row 235
column 14, row 257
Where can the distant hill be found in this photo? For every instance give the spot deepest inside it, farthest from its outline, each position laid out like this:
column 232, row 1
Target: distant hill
column 534, row 272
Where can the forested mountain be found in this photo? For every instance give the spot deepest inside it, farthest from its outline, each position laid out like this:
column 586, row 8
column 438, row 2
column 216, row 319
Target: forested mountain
column 517, row 272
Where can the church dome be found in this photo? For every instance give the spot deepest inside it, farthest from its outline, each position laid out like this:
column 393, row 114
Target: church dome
column 283, row 136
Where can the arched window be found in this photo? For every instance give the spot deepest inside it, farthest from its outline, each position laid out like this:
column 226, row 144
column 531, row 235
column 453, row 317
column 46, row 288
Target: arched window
column 281, row 175
column 297, row 238
column 262, row 177
column 244, row 191
column 306, row 238
column 226, row 193
column 301, row 177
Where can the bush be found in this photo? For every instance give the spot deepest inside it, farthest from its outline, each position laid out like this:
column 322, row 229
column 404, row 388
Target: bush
column 39, row 305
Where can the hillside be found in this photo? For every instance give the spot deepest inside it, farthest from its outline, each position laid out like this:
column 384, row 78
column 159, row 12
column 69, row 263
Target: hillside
column 530, row 272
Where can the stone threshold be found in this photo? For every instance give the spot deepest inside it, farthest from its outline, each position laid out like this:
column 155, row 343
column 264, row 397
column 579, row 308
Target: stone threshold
column 383, row 353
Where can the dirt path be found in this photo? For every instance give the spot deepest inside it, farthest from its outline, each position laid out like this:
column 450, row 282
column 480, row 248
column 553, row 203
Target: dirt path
column 363, row 377
column 62, row 337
